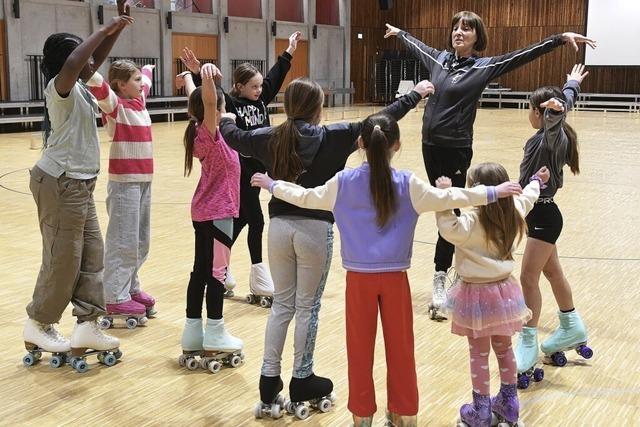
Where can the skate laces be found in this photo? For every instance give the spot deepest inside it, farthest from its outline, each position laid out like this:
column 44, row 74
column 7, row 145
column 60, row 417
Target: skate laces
column 53, row 333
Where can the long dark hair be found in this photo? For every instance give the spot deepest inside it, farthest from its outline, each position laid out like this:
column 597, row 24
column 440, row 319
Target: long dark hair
column 303, row 100
column 379, row 133
column 501, row 221
column 196, row 116
column 241, row 75
column 544, row 94
column 55, row 52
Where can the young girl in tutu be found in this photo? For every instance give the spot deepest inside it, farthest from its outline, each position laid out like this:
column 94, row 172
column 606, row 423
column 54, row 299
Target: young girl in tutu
column 486, row 305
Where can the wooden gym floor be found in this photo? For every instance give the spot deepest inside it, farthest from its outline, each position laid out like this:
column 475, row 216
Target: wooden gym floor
column 599, row 249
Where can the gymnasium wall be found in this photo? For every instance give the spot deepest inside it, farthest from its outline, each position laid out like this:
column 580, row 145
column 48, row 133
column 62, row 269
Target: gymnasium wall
column 511, row 24
column 248, row 38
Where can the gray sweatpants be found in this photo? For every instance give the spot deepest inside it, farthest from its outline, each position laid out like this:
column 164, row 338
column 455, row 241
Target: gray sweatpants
column 72, row 249
column 127, row 240
column 300, row 253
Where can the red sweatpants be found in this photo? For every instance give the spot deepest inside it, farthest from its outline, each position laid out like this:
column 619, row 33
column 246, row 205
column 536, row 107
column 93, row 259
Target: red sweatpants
column 365, row 293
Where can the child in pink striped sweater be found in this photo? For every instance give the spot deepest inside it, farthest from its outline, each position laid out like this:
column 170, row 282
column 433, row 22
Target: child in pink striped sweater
column 123, row 103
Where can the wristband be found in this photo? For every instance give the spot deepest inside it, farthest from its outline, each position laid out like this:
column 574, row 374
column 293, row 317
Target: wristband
column 492, row 194
column 273, row 184
column 537, row 178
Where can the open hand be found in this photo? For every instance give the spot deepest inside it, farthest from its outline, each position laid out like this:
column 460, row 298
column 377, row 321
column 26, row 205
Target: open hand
column 293, row 42
column 190, row 61
column 508, row 189
column 210, row 71
column 575, row 38
column 261, row 180
column 117, row 23
column 554, row 104
column 577, row 73
column 123, row 7
column 391, row 31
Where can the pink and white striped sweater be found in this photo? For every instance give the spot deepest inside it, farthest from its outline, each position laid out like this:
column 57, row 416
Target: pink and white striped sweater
column 129, row 126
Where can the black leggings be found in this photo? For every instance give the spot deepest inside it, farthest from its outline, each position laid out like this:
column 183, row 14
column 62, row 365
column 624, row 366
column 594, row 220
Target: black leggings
column 208, row 235
column 250, row 209
column 452, row 163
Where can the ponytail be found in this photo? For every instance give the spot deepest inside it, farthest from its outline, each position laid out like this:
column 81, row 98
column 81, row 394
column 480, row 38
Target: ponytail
column 287, row 164
column 189, row 138
column 573, row 156
column 379, row 133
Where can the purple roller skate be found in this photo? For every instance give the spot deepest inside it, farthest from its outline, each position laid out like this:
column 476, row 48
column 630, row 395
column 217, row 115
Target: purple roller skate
column 505, row 407
column 476, row 414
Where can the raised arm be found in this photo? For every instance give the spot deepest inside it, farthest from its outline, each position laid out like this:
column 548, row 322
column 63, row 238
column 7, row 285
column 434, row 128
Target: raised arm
column 322, row 197
column 107, row 98
column 425, row 54
column 499, row 65
column 80, row 56
column 147, row 80
column 272, row 82
column 209, row 97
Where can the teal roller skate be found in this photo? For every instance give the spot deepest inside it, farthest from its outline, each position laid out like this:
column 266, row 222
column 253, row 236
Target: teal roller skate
column 570, row 335
column 527, row 356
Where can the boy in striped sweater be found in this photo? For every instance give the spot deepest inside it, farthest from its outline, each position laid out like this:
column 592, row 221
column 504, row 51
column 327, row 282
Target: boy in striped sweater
column 123, row 103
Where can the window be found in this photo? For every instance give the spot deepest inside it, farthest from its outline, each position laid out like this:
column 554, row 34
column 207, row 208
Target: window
column 327, row 12
column 289, row 10
column 245, row 8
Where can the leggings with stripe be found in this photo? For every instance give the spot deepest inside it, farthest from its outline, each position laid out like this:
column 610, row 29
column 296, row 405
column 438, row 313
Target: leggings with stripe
column 213, row 250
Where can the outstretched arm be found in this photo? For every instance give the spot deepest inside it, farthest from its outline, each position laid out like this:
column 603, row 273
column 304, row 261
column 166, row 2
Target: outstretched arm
column 425, row 54
column 274, row 79
column 322, row 197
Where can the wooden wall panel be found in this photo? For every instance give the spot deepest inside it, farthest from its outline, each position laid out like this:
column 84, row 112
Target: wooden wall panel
column 203, row 46
column 511, row 24
column 300, row 62
column 4, row 76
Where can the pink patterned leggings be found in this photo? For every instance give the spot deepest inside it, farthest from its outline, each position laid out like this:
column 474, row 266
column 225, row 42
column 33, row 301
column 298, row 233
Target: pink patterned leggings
column 479, row 361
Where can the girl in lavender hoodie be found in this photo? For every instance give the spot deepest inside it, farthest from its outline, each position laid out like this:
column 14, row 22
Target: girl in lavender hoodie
column 376, row 209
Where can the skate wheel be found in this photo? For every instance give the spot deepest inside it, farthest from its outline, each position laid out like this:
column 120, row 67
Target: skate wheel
column 235, row 361
column 523, row 381
column 585, row 352
column 215, row 367
column 332, row 397
column 182, row 360
column 288, row 406
column 302, row 412
column 28, row 360
column 559, row 359
column 81, row 366
column 109, row 360
column 324, row 405
column 249, row 299
column 257, row 410
column 242, row 355
column 105, row 323
column 538, row 375
column 192, row 364
column 56, row 361
column 143, row 320
column 264, row 302
column 132, row 323
column 117, row 354
column 151, row 311
column 275, row 411
column 280, row 400
column 229, row 294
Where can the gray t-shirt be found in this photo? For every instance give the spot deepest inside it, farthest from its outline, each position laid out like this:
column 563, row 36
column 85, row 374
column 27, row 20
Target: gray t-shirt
column 549, row 146
column 73, row 147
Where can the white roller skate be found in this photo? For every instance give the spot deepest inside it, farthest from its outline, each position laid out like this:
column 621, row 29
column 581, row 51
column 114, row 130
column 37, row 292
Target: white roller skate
column 260, row 286
column 438, row 296
column 526, row 354
column 220, row 347
column 570, row 335
column 40, row 338
column 192, row 337
column 229, row 284
column 87, row 339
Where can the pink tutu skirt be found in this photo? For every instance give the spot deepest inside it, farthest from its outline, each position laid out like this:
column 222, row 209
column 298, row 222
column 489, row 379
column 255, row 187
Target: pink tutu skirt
column 485, row 309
